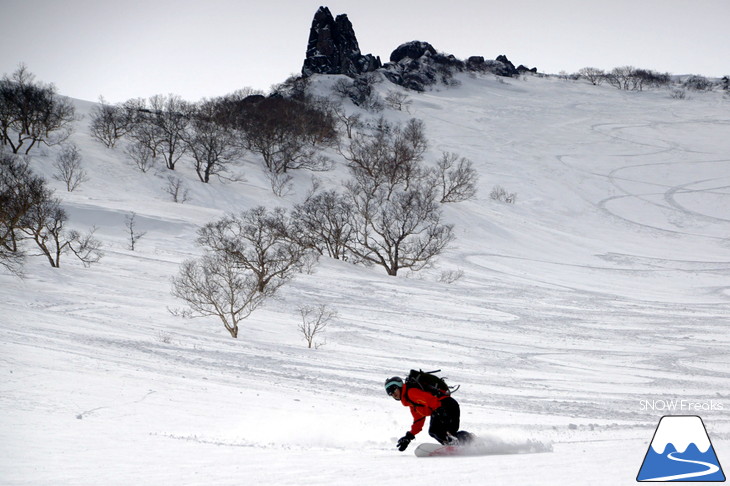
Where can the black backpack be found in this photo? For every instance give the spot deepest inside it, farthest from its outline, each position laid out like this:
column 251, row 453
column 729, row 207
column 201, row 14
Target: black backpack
column 428, row 382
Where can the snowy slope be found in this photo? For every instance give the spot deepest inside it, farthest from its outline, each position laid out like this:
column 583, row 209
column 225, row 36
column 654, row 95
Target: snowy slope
column 606, row 284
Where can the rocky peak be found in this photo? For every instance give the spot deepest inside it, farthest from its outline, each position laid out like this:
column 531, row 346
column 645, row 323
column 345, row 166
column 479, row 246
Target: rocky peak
column 416, row 65
column 412, row 50
column 333, row 47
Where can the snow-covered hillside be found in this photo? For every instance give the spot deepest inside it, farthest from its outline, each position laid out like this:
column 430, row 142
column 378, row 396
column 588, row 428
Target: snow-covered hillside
column 605, row 288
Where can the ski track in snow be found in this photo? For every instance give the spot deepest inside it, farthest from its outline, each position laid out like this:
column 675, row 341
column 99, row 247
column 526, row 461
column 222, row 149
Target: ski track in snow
column 605, row 284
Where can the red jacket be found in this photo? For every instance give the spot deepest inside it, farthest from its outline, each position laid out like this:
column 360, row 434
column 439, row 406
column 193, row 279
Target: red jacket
column 422, row 405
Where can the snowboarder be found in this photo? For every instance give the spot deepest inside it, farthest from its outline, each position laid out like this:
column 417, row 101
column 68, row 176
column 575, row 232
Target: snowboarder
column 443, row 410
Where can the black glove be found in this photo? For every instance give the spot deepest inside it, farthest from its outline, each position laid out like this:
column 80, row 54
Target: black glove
column 405, row 440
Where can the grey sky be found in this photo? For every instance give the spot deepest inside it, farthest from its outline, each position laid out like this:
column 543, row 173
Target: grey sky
column 204, row 48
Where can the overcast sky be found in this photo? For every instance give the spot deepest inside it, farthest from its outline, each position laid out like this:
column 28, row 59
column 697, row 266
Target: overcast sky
column 203, row 48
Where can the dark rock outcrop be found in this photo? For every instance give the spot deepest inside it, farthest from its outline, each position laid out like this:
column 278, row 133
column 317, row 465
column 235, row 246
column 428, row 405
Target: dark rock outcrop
column 416, row 65
column 412, row 50
column 475, row 63
column 509, row 68
column 333, row 48
column 500, row 66
column 522, row 69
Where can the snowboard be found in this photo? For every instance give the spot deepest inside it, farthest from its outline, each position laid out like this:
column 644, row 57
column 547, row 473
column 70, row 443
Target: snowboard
column 479, row 447
column 432, row 450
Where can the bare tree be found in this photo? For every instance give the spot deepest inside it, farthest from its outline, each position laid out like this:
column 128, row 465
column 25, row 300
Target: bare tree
column 176, row 189
column 85, row 246
column 285, row 133
column 141, row 155
column 256, row 240
column 349, row 121
column 630, row 78
column 247, row 260
column 399, row 228
column 216, row 285
column 621, row 77
column 229, row 110
column 134, row 235
column 109, row 123
column 281, row 184
column 451, row 276
column 68, row 167
column 212, row 145
column 500, row 194
column 395, row 218
column 594, row 75
column 398, row 100
column 170, row 116
column 698, row 83
column 389, row 155
column 160, row 126
column 143, row 134
column 314, row 321
column 45, row 225
column 295, row 87
column 410, row 145
column 360, row 91
column 31, row 112
column 28, row 211
column 456, row 178
column 648, row 78
column 20, row 191
column 323, row 222
column 319, row 121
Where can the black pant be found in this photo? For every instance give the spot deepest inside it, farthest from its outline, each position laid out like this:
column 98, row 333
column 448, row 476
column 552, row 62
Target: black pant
column 445, row 419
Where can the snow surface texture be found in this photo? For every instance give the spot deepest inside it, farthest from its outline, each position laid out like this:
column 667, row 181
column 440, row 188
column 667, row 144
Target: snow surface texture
column 606, row 284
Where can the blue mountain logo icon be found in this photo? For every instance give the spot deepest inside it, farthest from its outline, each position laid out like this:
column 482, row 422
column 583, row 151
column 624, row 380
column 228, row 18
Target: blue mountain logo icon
column 681, row 451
